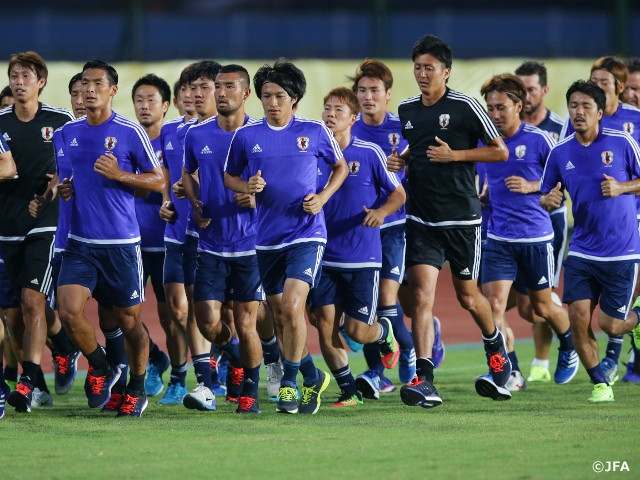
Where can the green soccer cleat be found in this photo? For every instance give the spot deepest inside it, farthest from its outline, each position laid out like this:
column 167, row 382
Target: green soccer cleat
column 601, row 393
column 539, row 374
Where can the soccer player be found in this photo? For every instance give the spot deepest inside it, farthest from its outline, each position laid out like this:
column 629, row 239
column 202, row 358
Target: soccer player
column 110, row 157
column 27, row 242
column 372, row 84
column 519, row 232
column 443, row 128
column 631, row 92
column 597, row 166
column 151, row 97
column 534, row 112
column 282, row 153
column 352, row 259
column 227, row 265
column 180, row 248
column 6, row 97
column 75, row 91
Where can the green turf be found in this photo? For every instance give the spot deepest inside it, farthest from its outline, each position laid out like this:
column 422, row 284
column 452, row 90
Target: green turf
column 547, row 431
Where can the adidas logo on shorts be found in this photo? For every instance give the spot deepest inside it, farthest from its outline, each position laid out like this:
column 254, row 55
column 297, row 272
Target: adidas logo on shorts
column 364, row 310
column 34, row 282
column 465, row 272
column 134, row 295
column 308, row 272
column 256, row 149
column 395, row 270
column 622, row 309
column 542, row 280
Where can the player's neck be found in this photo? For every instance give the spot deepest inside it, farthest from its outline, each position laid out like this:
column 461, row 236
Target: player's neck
column 587, row 138
column 374, row 120
column 429, row 99
column 537, row 117
column 153, row 131
column 97, row 116
column 230, row 123
column 203, row 117
column 27, row 111
column 611, row 107
column 343, row 138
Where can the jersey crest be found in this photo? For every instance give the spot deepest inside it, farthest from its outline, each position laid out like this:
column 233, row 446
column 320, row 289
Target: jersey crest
column 47, row 133
column 354, row 167
column 444, row 120
column 394, row 139
column 521, row 150
column 628, row 127
column 607, row 157
column 303, row 143
column 110, row 143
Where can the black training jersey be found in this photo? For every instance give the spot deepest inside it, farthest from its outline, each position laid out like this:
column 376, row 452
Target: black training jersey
column 31, row 145
column 443, row 194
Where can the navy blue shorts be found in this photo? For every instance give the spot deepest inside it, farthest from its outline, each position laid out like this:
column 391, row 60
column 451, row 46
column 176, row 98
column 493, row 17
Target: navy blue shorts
column 153, row 265
column 180, row 261
column 530, row 264
column 356, row 290
column 112, row 274
column 8, row 297
column 224, row 279
column 300, row 260
column 394, row 247
column 28, row 263
column 56, row 263
column 611, row 283
column 560, row 226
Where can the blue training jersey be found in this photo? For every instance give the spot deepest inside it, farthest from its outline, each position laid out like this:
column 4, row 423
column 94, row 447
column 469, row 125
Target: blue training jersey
column 148, row 213
column 172, row 144
column 63, row 168
column 288, row 159
column 517, row 217
column 103, row 213
column 387, row 136
column 369, row 183
column 232, row 231
column 605, row 229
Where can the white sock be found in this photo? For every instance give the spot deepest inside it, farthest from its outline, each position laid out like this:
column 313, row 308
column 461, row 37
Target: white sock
column 542, row 363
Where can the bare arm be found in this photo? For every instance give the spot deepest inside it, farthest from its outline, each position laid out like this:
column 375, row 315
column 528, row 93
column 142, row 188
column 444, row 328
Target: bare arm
column 7, row 166
column 192, row 192
column 612, row 188
column 397, row 162
column 151, row 180
column 494, row 151
column 167, row 211
column 314, row 202
column 255, row 184
column 552, row 199
column 521, row 185
column 40, row 202
column 375, row 217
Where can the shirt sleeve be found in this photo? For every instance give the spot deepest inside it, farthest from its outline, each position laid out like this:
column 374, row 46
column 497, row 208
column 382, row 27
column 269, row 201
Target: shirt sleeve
column 328, row 148
column 236, row 161
column 550, row 175
column 144, row 158
column 190, row 161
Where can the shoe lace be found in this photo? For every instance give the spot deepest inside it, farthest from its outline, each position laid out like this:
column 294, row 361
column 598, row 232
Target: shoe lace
column 237, row 375
column 307, row 394
column 214, row 362
column 496, row 362
column 129, row 404
column 114, row 401
column 23, row 389
column 96, row 382
column 245, row 403
column 415, row 381
column 287, row 394
column 63, row 363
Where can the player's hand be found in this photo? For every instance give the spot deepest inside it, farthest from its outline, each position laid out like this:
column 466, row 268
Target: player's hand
column 37, row 205
column 373, row 218
column 441, row 153
column 256, row 183
column 65, row 189
column 552, row 200
column 198, row 216
column 178, row 190
column 168, row 212
column 107, row 166
column 517, row 184
column 610, row 187
column 246, row 200
column 395, row 163
column 312, row 204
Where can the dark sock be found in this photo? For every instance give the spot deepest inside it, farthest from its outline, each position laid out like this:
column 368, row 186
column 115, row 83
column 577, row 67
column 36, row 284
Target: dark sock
column 494, row 342
column 251, row 379
column 116, row 355
column 345, row 380
column 62, row 343
column 11, row 374
column 395, row 314
column 614, row 347
column 384, row 331
column 136, row 383
column 232, row 349
column 372, row 357
column 30, row 372
column 308, row 370
column 202, row 367
column 596, row 374
column 98, row 360
column 290, row 373
column 270, row 350
column 41, row 383
column 179, row 374
column 155, row 354
column 514, row 360
column 566, row 341
column 424, row 368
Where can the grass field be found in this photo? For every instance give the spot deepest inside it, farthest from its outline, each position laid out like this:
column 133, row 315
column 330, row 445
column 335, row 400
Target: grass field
column 547, row 431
